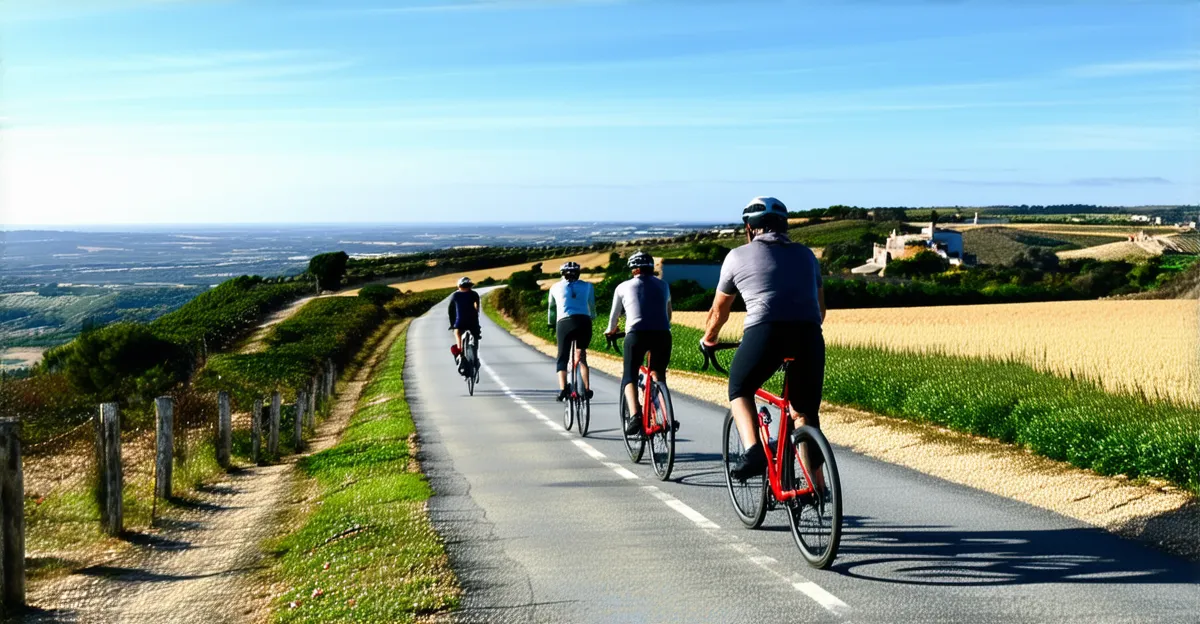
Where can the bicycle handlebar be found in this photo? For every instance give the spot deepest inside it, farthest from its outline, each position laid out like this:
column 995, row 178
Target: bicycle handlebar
column 612, row 341
column 710, row 354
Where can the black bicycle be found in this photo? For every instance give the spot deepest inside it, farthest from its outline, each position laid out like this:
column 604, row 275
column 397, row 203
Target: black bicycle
column 578, row 410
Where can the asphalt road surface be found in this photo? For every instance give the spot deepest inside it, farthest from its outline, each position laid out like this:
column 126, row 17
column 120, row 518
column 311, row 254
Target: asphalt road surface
column 542, row 526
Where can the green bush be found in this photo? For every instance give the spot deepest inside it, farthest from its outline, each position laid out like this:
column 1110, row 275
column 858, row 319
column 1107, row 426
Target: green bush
column 124, row 362
column 378, row 294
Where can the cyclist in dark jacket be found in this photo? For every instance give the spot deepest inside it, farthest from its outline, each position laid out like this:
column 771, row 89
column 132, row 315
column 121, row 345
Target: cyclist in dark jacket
column 464, row 313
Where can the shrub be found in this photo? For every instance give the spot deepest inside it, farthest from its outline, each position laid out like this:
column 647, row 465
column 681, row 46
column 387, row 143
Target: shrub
column 378, row 294
column 124, row 362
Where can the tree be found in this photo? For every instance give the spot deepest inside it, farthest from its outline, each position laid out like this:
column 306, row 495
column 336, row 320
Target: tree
column 923, row 264
column 378, row 294
column 329, row 269
column 124, row 362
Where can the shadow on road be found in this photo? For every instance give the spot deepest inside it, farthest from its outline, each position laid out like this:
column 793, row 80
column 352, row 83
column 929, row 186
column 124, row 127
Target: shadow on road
column 933, row 555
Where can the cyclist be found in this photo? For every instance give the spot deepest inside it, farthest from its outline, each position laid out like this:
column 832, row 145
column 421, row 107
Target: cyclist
column 464, row 316
column 780, row 281
column 570, row 310
column 646, row 302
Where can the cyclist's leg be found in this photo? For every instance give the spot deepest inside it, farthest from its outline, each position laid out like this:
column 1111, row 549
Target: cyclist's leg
column 660, row 357
column 458, row 336
column 583, row 338
column 756, row 360
column 805, row 381
column 564, row 346
column 634, row 352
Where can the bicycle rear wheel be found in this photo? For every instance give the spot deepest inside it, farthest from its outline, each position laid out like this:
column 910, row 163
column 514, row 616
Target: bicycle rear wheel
column 750, row 496
column 662, row 443
column 583, row 408
column 635, row 444
column 815, row 519
column 469, row 357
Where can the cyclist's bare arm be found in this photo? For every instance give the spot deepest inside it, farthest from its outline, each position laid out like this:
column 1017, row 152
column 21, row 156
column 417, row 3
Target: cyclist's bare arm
column 718, row 314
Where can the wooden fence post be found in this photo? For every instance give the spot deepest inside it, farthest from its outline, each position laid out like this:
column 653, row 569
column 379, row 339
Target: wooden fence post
column 110, row 427
column 164, row 438
column 273, row 435
column 224, row 429
column 298, row 430
column 12, row 504
column 312, row 403
column 256, row 431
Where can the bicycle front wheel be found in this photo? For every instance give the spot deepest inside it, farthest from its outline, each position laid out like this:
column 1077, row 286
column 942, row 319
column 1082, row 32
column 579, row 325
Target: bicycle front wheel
column 816, row 518
column 750, row 496
column 633, row 443
column 662, row 442
column 468, row 357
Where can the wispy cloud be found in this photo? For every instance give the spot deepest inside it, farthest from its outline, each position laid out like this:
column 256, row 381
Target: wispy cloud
column 1183, row 63
column 1101, row 137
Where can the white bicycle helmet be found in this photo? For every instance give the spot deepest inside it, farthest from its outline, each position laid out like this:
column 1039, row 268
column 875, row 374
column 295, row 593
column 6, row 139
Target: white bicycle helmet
column 765, row 212
column 641, row 260
column 465, row 281
column 568, row 267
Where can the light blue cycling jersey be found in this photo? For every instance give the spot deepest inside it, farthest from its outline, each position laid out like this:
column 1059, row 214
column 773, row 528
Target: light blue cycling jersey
column 569, row 298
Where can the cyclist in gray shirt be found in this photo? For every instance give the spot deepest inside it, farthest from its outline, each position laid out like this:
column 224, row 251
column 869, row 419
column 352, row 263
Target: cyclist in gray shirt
column 646, row 302
column 781, row 284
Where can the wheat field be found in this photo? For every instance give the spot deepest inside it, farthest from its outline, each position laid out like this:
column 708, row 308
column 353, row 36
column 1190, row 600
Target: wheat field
column 1147, row 346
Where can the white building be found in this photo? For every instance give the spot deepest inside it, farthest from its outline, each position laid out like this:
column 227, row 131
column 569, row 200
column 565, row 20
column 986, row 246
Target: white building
column 945, row 243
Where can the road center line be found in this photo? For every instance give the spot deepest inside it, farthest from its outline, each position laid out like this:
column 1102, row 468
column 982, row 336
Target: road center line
column 818, row 594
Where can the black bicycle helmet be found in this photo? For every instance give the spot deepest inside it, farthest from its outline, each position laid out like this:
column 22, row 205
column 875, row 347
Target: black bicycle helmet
column 641, row 260
column 569, row 269
column 766, row 213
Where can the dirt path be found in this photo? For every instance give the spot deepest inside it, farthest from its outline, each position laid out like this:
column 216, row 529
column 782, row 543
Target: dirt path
column 196, row 568
column 255, row 343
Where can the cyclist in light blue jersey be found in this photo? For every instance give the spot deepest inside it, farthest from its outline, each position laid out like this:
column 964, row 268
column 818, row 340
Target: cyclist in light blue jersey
column 570, row 310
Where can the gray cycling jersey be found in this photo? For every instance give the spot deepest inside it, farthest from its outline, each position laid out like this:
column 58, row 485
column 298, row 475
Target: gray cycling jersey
column 646, row 301
column 777, row 278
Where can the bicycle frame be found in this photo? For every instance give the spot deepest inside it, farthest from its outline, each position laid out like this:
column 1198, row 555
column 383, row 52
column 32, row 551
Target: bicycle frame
column 775, row 457
column 647, row 404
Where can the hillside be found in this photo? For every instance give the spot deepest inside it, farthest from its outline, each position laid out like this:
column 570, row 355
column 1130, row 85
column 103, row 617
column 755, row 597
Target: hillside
column 998, row 245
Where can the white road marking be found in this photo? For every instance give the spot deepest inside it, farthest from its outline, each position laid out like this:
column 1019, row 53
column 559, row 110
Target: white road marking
column 818, row 594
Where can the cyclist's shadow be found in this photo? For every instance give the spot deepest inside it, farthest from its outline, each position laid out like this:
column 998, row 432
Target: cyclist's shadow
column 935, row 555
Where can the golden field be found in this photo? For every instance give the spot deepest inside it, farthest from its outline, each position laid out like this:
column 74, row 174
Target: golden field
column 1152, row 346
column 587, row 260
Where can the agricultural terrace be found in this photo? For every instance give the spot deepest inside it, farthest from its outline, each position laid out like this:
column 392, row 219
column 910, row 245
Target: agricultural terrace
column 1149, row 346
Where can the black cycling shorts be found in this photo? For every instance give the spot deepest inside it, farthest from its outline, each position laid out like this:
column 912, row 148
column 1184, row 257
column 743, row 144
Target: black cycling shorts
column 637, row 344
column 763, row 349
column 577, row 328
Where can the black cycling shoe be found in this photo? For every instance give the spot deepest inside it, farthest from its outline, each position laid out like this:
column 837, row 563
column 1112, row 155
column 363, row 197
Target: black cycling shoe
column 588, row 394
column 634, row 425
column 752, row 463
column 674, row 425
column 563, row 395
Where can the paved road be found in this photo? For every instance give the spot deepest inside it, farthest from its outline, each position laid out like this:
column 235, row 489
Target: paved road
column 546, row 527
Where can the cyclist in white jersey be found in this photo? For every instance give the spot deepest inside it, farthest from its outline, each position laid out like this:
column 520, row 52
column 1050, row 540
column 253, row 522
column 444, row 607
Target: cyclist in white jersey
column 570, row 310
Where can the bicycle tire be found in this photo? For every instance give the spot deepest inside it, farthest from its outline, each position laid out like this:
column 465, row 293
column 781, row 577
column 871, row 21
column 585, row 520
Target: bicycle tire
column 662, row 443
column 749, row 498
column 635, row 444
column 569, row 409
column 468, row 356
column 816, row 522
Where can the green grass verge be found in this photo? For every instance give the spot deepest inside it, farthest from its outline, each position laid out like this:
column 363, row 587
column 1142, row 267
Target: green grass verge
column 366, row 552
column 1071, row 420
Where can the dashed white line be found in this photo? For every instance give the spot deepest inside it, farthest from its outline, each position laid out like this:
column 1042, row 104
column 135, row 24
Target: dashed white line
column 818, row 594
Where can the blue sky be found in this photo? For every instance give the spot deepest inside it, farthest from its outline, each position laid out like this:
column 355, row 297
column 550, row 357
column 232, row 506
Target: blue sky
column 179, row 111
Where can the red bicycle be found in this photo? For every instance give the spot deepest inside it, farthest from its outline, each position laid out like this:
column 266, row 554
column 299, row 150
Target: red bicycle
column 807, row 484
column 658, row 418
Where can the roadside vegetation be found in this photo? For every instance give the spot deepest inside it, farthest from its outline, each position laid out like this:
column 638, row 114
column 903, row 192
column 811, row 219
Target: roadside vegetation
column 1069, row 418
column 364, row 549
